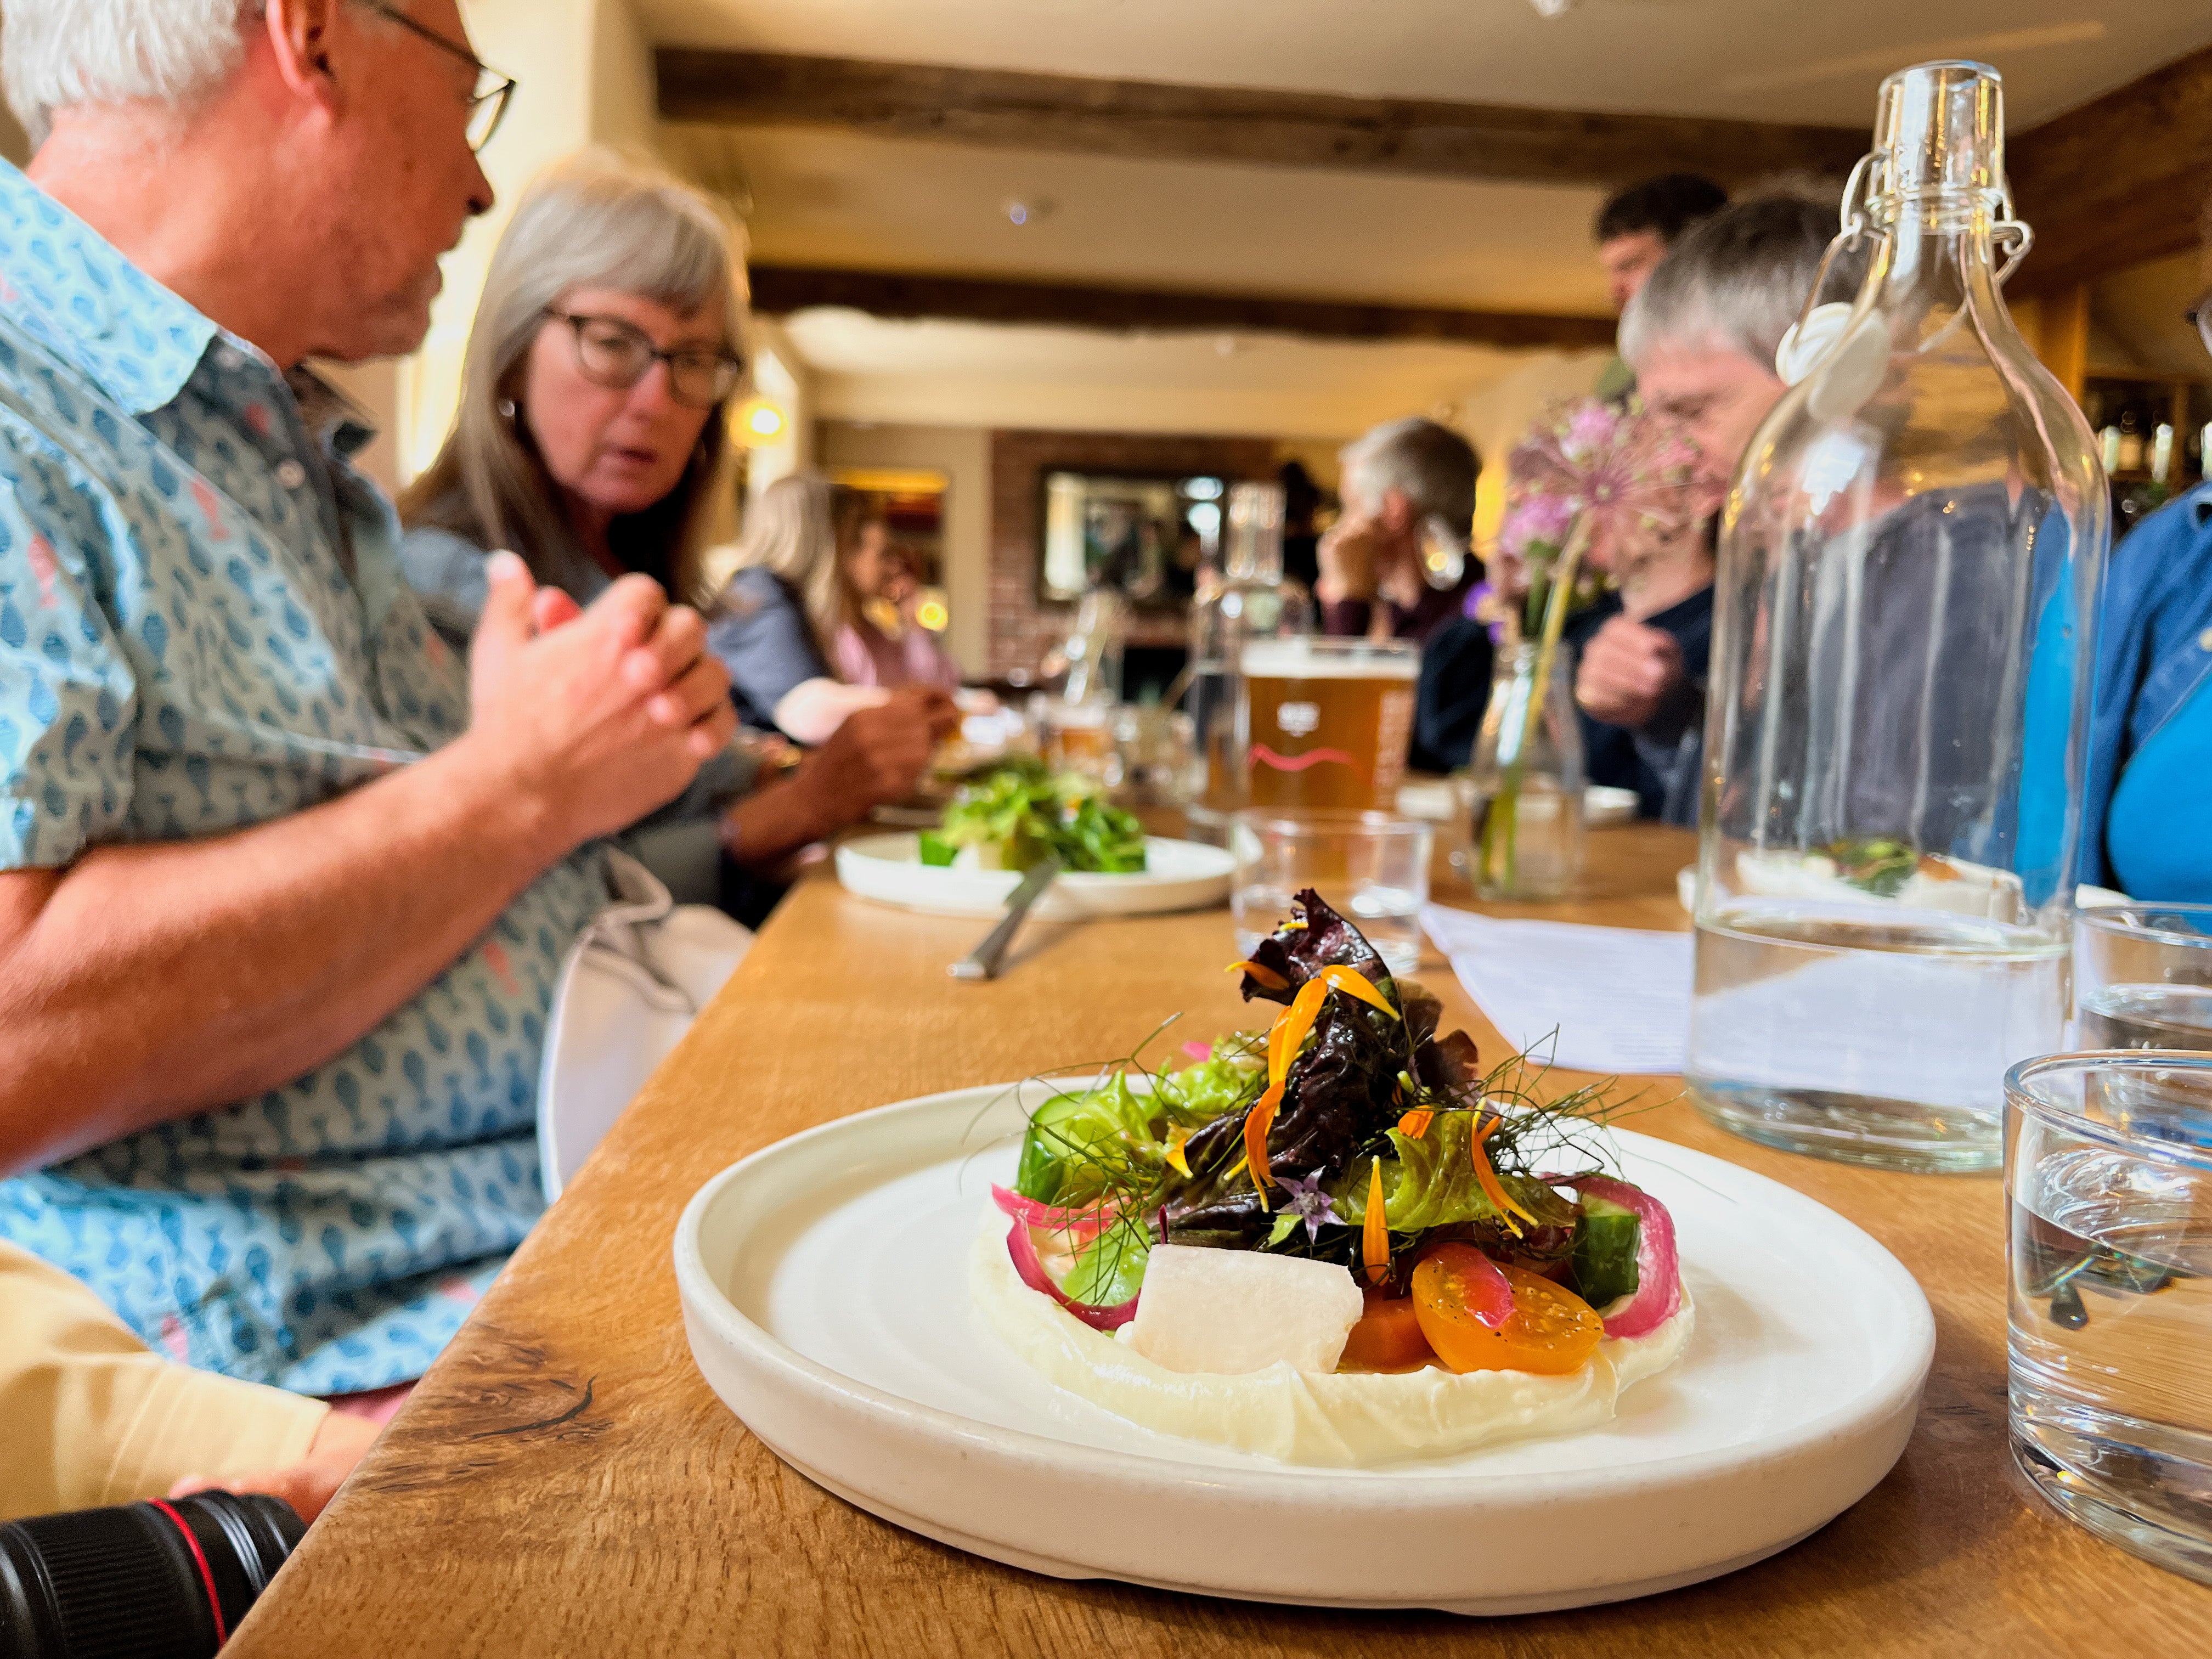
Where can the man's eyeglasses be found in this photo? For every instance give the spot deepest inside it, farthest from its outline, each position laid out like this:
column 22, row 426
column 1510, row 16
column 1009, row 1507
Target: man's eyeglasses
column 617, row 355
column 488, row 103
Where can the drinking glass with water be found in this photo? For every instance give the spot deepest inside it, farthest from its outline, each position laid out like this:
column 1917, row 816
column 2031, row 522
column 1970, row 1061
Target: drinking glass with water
column 2108, row 1175
column 1370, row 866
column 2142, row 977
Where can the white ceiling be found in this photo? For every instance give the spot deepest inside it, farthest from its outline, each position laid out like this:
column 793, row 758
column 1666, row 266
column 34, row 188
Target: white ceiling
column 1784, row 60
column 843, row 199
column 944, row 373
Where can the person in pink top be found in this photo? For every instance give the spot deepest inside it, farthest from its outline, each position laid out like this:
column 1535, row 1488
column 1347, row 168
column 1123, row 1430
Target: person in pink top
column 877, row 577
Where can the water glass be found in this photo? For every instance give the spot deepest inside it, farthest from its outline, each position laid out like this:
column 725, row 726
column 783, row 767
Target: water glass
column 1370, row 866
column 1159, row 759
column 2108, row 1178
column 2143, row 976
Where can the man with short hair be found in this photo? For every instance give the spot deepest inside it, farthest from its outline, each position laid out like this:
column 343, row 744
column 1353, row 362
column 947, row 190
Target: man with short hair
column 1637, row 225
column 1405, row 484
column 284, row 888
column 1701, row 334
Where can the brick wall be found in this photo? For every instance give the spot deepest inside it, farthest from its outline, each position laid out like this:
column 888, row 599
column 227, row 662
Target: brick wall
column 1022, row 630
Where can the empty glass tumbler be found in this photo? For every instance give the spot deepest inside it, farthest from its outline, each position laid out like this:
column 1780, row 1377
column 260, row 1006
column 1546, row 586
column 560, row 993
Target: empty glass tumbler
column 1909, row 564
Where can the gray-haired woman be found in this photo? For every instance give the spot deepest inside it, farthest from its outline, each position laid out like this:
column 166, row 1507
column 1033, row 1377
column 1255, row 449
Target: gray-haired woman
column 589, row 440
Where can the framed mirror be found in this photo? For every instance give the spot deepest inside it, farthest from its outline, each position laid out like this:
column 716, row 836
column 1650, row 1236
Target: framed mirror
column 1144, row 535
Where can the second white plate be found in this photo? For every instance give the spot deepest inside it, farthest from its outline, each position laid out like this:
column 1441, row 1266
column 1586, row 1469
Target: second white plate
column 1181, row 875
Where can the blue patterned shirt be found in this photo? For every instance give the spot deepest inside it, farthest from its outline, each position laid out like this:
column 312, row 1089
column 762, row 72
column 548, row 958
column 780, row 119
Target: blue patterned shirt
column 203, row 626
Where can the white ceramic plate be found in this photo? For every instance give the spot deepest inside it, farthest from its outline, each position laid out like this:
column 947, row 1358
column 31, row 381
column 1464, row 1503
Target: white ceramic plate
column 1432, row 799
column 824, row 1286
column 1181, row 875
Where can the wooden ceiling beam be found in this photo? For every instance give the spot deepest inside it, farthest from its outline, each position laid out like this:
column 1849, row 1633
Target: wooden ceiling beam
column 1149, row 121
column 2118, row 181
column 778, row 290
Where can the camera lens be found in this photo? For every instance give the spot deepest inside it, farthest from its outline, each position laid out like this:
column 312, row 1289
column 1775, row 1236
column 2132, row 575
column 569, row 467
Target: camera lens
column 161, row 1580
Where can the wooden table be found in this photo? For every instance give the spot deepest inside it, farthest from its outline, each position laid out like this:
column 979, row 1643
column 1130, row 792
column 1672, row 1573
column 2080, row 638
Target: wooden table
column 564, row 1483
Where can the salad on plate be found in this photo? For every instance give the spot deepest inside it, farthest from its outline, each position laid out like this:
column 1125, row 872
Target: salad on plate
column 1334, row 1239
column 1013, row 814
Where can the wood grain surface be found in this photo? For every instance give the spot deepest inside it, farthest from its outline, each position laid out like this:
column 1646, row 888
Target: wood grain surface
column 563, row 1482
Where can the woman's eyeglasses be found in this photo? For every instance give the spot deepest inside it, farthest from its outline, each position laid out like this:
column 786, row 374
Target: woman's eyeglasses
column 617, row 355
column 488, row 102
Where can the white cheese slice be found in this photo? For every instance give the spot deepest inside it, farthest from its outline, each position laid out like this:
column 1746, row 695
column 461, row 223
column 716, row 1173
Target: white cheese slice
column 1228, row 1312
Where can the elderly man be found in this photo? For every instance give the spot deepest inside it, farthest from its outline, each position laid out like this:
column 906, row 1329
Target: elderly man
column 283, row 889
column 1701, row 334
column 1404, row 482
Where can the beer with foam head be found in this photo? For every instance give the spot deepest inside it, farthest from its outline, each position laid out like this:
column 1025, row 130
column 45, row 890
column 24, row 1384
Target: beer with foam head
column 1326, row 722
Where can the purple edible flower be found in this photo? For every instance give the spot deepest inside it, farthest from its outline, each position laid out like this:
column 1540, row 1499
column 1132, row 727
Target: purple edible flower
column 1303, row 1198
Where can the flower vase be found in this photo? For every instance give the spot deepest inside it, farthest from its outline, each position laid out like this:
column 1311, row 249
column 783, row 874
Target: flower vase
column 1525, row 794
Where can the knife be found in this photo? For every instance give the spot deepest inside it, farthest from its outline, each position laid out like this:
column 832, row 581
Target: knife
column 982, row 962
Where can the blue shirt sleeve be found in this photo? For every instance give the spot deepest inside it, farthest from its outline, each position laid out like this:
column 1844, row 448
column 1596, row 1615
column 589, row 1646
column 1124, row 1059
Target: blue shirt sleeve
column 447, row 573
column 68, row 696
column 761, row 635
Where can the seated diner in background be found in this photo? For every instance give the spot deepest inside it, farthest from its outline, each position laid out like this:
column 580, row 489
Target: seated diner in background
column 881, row 590
column 1700, row 333
column 1406, row 484
column 284, row 887
column 2149, row 788
column 789, row 620
column 589, row 440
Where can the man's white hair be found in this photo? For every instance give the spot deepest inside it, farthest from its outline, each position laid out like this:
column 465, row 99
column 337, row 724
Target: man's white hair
column 57, row 53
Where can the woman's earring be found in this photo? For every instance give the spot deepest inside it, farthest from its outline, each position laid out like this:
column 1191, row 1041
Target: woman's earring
column 507, row 409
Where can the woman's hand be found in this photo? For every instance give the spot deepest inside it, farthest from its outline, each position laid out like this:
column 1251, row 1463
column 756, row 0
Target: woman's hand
column 876, row 756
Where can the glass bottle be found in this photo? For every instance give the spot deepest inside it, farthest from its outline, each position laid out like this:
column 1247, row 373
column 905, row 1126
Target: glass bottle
column 1246, row 599
column 1909, row 564
column 1521, row 800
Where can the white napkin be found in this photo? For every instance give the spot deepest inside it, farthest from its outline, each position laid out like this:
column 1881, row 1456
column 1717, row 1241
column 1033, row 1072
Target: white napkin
column 1618, row 997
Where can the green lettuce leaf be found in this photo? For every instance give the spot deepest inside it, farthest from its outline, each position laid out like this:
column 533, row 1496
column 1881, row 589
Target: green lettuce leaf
column 1431, row 1183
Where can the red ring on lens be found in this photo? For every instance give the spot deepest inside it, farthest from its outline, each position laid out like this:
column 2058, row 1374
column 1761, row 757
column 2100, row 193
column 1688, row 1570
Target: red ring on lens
column 206, row 1576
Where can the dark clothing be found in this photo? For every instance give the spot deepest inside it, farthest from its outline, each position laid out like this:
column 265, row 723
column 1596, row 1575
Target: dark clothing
column 1351, row 618
column 1660, row 761
column 1302, row 557
column 758, row 630
column 1455, row 688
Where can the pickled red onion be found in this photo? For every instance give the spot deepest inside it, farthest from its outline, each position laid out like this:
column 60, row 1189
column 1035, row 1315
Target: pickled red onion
column 1023, row 1249
column 1658, row 1267
column 1078, row 1227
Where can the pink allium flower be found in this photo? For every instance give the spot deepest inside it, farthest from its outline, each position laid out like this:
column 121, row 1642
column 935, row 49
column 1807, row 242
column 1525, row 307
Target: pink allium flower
column 1622, row 470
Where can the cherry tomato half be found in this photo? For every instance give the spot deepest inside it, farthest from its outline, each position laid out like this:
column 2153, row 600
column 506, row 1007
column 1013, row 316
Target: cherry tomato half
column 1387, row 1337
column 1551, row 1330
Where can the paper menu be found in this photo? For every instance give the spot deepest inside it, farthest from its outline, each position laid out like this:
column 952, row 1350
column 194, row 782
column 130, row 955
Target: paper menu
column 1618, row 997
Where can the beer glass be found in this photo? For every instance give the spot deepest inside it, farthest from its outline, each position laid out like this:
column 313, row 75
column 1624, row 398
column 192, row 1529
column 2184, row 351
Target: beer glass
column 1326, row 722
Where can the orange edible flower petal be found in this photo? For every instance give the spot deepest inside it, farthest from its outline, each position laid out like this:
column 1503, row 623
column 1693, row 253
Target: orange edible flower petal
column 1257, row 1123
column 1414, row 1125
column 1285, row 1037
column 1375, row 1231
column 1266, row 976
column 1176, row 1138
column 1353, row 984
column 1492, row 1188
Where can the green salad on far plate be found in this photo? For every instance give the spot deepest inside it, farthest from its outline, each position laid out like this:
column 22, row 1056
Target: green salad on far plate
column 1015, row 813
